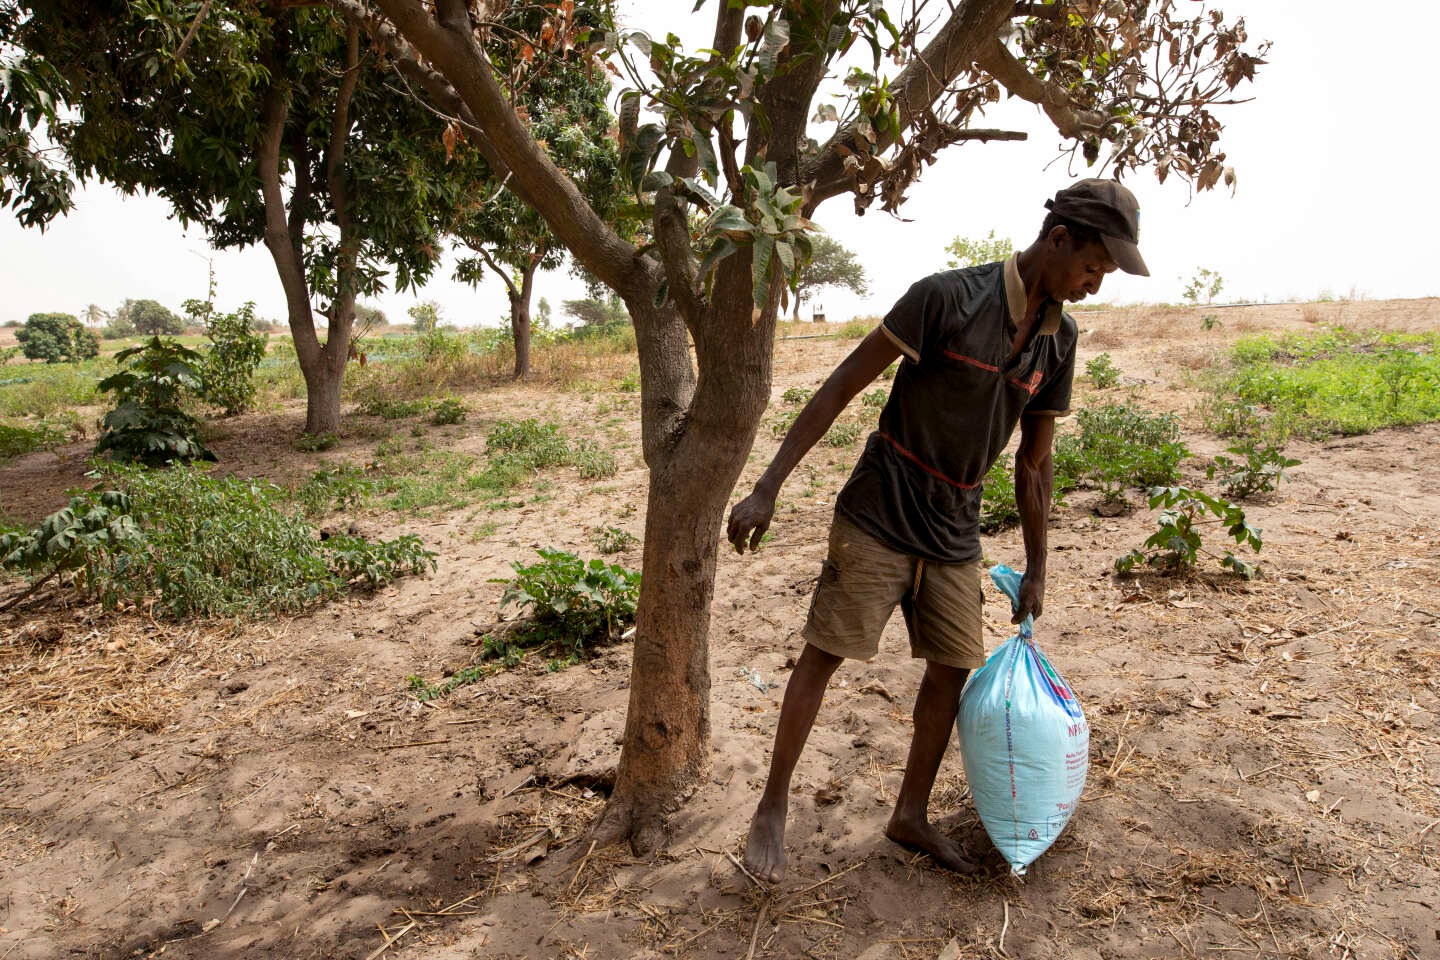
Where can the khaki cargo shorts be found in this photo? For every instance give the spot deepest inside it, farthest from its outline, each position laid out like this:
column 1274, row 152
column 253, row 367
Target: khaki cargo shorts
column 863, row 579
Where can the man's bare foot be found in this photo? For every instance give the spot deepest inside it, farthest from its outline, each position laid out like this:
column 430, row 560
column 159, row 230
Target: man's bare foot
column 921, row 835
column 765, row 850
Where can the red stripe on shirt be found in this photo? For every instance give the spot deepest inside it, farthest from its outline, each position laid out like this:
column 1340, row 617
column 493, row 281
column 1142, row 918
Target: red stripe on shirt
column 1032, row 386
column 925, row 466
column 971, row 360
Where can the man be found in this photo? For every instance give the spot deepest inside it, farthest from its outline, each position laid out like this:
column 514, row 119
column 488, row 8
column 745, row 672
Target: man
column 984, row 348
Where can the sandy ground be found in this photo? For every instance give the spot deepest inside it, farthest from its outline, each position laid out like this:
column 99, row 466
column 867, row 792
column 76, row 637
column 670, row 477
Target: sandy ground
column 1264, row 755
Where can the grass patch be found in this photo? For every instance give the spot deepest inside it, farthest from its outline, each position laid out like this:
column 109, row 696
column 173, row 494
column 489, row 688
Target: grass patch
column 1337, row 381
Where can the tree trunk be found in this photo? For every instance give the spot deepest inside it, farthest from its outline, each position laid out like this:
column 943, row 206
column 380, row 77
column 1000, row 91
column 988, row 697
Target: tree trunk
column 322, row 389
column 697, row 459
column 520, row 318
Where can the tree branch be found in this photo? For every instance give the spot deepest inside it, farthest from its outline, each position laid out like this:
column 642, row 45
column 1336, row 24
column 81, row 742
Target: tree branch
column 335, row 160
column 490, row 262
column 954, row 48
column 536, row 178
column 1070, row 120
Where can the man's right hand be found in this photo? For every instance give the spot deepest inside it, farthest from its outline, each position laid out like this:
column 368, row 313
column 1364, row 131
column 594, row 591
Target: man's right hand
column 749, row 519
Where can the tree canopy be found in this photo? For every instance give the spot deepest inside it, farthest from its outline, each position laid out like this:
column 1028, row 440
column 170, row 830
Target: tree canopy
column 831, row 264
column 223, row 109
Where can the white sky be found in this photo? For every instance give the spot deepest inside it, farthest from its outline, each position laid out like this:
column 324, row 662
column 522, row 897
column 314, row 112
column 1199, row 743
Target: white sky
column 1335, row 196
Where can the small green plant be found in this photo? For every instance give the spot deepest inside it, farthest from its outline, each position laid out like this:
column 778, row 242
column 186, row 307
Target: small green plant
column 797, row 396
column 875, row 399
column 629, row 383
column 1178, row 543
column 572, row 605
column 1102, row 372
column 613, row 540
column 315, row 442
column 345, row 487
column 843, row 434
column 1260, row 469
column 1209, row 322
column 1121, row 446
column 592, row 460
column 447, row 411
column 1204, row 286
column 425, row 691
column 998, row 508
column 149, row 423
column 390, row 408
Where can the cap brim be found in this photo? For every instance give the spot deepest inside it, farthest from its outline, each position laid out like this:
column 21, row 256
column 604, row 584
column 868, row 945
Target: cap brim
column 1127, row 255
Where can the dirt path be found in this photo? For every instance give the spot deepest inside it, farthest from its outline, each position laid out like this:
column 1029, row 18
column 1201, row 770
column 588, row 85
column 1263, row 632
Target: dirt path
column 1264, row 755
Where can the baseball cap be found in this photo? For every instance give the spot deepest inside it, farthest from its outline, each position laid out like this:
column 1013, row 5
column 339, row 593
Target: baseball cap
column 1110, row 208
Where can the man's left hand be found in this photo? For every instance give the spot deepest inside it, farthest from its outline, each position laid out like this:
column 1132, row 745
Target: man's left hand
column 1032, row 597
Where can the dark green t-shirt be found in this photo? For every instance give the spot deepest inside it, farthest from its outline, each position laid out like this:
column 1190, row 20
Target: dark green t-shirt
column 954, row 405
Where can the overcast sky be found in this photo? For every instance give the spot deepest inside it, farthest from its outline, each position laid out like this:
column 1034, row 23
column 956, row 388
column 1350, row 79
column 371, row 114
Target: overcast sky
column 1336, row 196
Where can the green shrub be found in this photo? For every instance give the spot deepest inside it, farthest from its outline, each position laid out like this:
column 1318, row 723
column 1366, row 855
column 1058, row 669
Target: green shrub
column 19, row 439
column 530, row 442
column 447, row 411
column 572, row 605
column 998, row 508
column 1120, row 446
column 1259, row 471
column 875, row 399
column 315, row 442
column 1102, row 372
column 199, row 545
column 843, row 433
column 56, row 338
column 346, row 487
column 1178, row 543
column 390, row 408
column 148, row 423
column 592, row 460
column 613, row 540
column 797, row 396
column 235, row 352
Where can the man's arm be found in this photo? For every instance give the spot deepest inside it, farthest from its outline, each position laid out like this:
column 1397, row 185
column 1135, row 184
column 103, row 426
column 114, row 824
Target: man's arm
column 751, row 517
column 1034, row 479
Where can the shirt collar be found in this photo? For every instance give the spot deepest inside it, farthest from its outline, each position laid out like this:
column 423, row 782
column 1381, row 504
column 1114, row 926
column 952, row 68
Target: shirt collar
column 1016, row 298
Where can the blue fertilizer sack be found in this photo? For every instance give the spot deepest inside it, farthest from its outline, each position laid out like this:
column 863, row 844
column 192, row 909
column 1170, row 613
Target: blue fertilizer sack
column 1024, row 741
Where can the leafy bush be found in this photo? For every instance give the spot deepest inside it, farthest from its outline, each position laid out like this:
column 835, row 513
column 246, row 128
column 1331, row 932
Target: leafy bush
column 19, row 439
column 236, row 349
column 842, row 434
column 1102, row 372
column 202, row 546
column 1120, row 446
column 88, row 537
column 56, row 338
column 572, row 605
column 390, row 408
column 875, row 399
column 797, row 396
column 315, row 442
column 1260, row 471
column 998, row 508
column 592, row 460
column 343, row 488
column 613, row 540
column 148, row 423
column 1176, row 546
column 1337, row 381
column 447, row 411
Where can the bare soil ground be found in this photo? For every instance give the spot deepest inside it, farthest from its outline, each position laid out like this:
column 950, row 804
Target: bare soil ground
column 1264, row 755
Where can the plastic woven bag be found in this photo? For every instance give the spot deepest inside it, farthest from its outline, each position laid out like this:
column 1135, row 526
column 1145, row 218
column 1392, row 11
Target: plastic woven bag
column 1024, row 741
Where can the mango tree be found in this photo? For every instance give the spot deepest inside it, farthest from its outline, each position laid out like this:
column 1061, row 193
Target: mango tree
column 258, row 122
column 730, row 175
